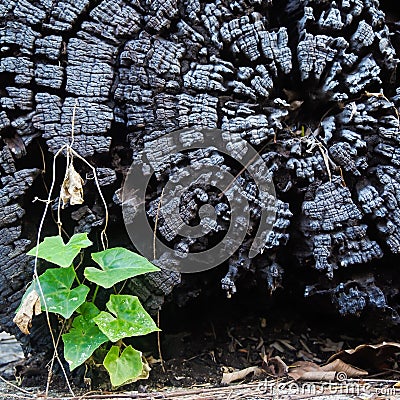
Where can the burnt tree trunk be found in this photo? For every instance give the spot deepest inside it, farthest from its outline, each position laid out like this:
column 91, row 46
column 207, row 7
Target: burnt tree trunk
column 311, row 85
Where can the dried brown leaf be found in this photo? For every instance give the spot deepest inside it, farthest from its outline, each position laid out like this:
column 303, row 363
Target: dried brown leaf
column 305, row 347
column 278, row 347
column 287, row 344
column 305, row 355
column 295, row 105
column 275, row 366
column 229, row 377
column 303, row 368
column 307, row 370
column 367, row 356
column 260, row 344
column 72, row 187
column 151, row 360
column 330, row 346
column 29, row 308
column 318, row 375
column 341, row 366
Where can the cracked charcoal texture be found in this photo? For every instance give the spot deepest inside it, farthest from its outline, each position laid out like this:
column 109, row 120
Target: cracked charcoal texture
column 316, row 96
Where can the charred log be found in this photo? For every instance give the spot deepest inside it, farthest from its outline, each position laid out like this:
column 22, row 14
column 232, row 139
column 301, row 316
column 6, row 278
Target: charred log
column 311, row 85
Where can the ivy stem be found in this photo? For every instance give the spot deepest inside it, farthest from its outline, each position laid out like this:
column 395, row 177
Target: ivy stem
column 76, row 276
column 95, row 293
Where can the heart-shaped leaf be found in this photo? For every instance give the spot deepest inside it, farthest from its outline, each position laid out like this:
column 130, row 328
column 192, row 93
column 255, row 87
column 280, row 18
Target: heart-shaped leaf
column 84, row 337
column 129, row 318
column 117, row 264
column 54, row 250
column 125, row 368
column 56, row 287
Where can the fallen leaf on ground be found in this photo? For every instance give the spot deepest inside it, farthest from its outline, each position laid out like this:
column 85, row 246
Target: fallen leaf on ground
column 295, row 105
column 367, row 356
column 278, row 347
column 151, row 360
column 229, row 377
column 330, row 346
column 307, row 370
column 306, row 356
column 275, row 366
column 72, row 189
column 29, row 308
column 340, row 366
column 260, row 344
column 287, row 344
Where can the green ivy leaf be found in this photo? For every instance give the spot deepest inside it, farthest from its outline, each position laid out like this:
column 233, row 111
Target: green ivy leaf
column 129, row 318
column 54, row 250
column 117, row 264
column 56, row 286
column 84, row 337
column 125, row 368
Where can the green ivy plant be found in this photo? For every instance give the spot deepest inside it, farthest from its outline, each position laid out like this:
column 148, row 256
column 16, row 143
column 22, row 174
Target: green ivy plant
column 61, row 292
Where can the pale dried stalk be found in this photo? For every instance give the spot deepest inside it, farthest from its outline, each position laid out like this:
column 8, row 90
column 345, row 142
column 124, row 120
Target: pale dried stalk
column 154, row 257
column 313, row 142
column 36, row 276
column 381, row 95
column 59, row 223
column 50, row 374
column 15, row 386
column 69, row 153
column 103, row 235
column 156, row 223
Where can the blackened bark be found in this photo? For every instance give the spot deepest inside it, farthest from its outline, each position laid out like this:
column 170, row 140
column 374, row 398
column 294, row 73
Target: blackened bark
column 312, row 84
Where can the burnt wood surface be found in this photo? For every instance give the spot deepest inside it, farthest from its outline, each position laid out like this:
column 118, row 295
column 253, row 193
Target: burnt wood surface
column 311, row 84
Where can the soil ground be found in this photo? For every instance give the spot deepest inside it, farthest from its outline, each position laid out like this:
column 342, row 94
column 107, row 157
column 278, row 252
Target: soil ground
column 199, row 343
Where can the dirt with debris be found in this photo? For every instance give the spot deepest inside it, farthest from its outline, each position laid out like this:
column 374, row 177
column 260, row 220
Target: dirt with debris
column 199, row 345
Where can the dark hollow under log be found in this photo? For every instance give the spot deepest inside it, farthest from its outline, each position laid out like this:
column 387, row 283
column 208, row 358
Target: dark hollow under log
column 312, row 85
